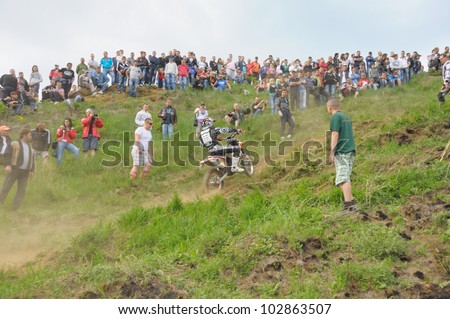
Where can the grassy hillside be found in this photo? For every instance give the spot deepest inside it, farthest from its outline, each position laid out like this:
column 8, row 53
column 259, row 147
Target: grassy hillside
column 275, row 235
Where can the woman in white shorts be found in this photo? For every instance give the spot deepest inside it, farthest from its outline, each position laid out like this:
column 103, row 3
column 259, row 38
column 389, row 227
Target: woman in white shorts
column 141, row 149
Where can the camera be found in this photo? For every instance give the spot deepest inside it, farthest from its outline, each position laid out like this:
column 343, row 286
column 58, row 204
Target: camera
column 95, row 116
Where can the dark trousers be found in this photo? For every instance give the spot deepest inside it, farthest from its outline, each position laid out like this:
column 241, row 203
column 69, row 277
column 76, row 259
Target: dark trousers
column 286, row 118
column 19, row 175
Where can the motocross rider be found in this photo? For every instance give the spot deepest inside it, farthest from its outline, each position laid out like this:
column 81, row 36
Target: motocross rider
column 209, row 139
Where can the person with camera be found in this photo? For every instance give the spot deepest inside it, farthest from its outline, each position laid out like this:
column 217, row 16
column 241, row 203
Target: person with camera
column 236, row 116
column 65, row 135
column 91, row 123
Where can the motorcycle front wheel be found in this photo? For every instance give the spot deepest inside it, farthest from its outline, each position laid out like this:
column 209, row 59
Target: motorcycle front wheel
column 212, row 179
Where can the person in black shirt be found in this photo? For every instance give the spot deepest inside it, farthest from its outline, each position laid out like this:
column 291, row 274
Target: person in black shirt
column 9, row 83
column 68, row 75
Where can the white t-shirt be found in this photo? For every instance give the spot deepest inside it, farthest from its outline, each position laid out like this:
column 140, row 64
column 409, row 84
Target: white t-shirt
column 145, row 137
column 141, row 116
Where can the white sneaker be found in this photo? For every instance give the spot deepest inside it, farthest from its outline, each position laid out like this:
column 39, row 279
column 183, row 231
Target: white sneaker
column 282, row 137
column 289, row 136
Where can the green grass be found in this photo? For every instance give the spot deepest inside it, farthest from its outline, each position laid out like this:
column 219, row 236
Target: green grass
column 271, row 236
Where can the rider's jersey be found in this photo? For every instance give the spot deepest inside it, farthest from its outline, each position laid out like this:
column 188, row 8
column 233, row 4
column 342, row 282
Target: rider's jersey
column 208, row 135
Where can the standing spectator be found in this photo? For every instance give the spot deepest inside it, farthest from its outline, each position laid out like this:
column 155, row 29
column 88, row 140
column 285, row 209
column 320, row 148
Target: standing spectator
column 342, row 152
column 142, row 115
column 404, row 67
column 433, row 60
column 122, row 68
column 93, row 65
column 153, row 67
column 294, row 89
column 5, row 143
column 131, row 59
column 183, row 71
column 161, row 78
column 66, row 133
column 142, row 63
column 100, row 80
column 107, row 66
column 134, row 75
column 285, row 114
column 230, row 68
column 171, row 72
column 168, row 114
column 302, row 88
column 272, row 95
column 91, row 123
column 355, row 76
column 200, row 115
column 213, row 65
column 68, row 75
column 370, row 60
column 81, row 68
column 445, row 77
column 142, row 149
column 357, row 59
column 40, row 140
column 162, row 61
column 35, row 78
column 19, row 165
column 9, row 83
column 256, row 69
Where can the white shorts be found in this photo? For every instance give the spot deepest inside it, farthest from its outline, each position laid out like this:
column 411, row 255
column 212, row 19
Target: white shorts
column 140, row 159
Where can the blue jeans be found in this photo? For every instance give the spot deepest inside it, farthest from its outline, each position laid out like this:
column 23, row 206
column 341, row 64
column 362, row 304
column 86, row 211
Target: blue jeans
column 183, row 82
column 111, row 74
column 122, row 83
column 272, row 98
column 302, row 98
column 170, row 79
column 257, row 113
column 331, row 89
column 132, row 89
column 65, row 145
column 144, row 74
column 167, row 130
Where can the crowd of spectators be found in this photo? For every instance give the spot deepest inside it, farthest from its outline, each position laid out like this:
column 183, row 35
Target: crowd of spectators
column 311, row 80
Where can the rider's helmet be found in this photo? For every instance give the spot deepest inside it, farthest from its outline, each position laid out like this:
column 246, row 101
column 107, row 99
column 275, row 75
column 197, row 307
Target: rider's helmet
column 207, row 123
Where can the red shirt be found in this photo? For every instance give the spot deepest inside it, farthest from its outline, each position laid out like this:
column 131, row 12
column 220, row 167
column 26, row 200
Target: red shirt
column 183, row 70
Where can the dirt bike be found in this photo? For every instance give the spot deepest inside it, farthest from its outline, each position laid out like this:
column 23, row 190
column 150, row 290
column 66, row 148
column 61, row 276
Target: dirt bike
column 221, row 165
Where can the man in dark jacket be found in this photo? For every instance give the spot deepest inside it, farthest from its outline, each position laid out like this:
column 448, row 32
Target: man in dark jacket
column 41, row 139
column 19, row 164
column 9, row 83
column 168, row 114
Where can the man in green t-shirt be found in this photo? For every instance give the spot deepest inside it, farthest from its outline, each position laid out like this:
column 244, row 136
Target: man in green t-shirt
column 342, row 152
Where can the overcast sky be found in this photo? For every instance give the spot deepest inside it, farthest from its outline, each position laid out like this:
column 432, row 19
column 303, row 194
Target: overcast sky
column 45, row 32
